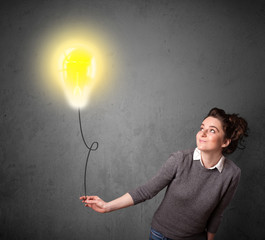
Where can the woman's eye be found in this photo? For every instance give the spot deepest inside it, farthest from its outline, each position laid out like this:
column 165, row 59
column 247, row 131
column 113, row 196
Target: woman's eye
column 212, row 131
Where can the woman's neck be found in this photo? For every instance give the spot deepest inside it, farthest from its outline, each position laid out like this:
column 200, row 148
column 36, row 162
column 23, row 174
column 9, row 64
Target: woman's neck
column 210, row 159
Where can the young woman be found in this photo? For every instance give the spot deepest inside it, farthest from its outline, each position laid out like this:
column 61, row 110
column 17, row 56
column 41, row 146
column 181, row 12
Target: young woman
column 200, row 183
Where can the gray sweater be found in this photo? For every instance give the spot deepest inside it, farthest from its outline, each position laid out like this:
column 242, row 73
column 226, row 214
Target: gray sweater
column 195, row 197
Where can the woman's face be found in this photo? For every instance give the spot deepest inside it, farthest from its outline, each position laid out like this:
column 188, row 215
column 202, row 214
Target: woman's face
column 211, row 136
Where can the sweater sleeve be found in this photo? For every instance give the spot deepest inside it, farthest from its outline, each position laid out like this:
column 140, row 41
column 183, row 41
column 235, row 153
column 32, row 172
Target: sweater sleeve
column 157, row 183
column 217, row 215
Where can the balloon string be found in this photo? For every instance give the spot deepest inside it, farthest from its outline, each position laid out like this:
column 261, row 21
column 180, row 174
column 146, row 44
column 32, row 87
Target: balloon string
column 92, row 147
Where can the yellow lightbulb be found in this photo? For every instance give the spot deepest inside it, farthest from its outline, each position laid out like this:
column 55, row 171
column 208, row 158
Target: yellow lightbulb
column 78, row 69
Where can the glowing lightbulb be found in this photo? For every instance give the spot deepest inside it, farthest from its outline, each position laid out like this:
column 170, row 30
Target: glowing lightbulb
column 78, row 69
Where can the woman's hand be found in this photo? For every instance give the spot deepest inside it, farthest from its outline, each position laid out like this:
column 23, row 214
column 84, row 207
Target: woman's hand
column 96, row 203
column 100, row 206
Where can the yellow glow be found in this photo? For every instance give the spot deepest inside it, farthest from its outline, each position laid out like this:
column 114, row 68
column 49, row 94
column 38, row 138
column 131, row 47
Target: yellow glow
column 78, row 69
column 52, row 49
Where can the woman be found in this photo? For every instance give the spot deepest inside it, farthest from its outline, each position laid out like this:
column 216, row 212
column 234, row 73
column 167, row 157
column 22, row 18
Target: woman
column 200, row 183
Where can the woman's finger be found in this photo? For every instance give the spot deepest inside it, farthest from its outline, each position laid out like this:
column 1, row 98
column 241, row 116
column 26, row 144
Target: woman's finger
column 91, row 201
column 90, row 197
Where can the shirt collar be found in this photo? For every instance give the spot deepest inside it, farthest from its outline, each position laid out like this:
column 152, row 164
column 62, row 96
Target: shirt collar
column 219, row 165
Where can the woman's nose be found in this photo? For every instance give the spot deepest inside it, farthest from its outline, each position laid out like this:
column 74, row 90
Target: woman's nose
column 204, row 133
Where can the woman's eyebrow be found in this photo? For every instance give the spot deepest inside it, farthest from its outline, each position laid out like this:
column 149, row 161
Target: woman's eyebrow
column 212, row 127
column 215, row 128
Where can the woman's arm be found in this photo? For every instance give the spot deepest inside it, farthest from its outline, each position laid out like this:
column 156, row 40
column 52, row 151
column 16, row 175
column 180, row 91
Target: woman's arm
column 142, row 193
column 210, row 236
column 216, row 216
column 98, row 205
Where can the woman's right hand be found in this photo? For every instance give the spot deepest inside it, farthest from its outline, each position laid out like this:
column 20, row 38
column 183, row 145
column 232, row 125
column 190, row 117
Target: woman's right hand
column 96, row 203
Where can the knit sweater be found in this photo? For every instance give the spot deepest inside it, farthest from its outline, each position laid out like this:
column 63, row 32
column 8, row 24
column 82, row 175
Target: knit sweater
column 195, row 198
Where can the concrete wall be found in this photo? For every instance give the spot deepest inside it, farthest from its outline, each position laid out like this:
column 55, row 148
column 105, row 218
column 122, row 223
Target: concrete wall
column 166, row 64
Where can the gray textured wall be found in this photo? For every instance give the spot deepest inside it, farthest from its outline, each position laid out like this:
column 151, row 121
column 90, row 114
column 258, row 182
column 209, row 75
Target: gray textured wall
column 169, row 62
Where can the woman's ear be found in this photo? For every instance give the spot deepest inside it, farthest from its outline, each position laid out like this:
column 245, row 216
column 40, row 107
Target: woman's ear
column 226, row 142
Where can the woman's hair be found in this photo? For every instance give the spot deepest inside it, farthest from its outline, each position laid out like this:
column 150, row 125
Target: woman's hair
column 235, row 128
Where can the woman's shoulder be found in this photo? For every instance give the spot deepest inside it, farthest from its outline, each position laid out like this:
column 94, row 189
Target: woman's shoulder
column 182, row 155
column 231, row 168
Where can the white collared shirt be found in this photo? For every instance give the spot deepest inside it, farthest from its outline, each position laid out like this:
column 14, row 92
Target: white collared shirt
column 219, row 165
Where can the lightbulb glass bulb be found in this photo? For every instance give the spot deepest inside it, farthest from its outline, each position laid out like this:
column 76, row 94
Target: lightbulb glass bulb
column 78, row 69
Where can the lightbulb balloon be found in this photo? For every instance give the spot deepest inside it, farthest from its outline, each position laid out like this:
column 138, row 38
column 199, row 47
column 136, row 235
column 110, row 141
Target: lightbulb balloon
column 78, row 70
